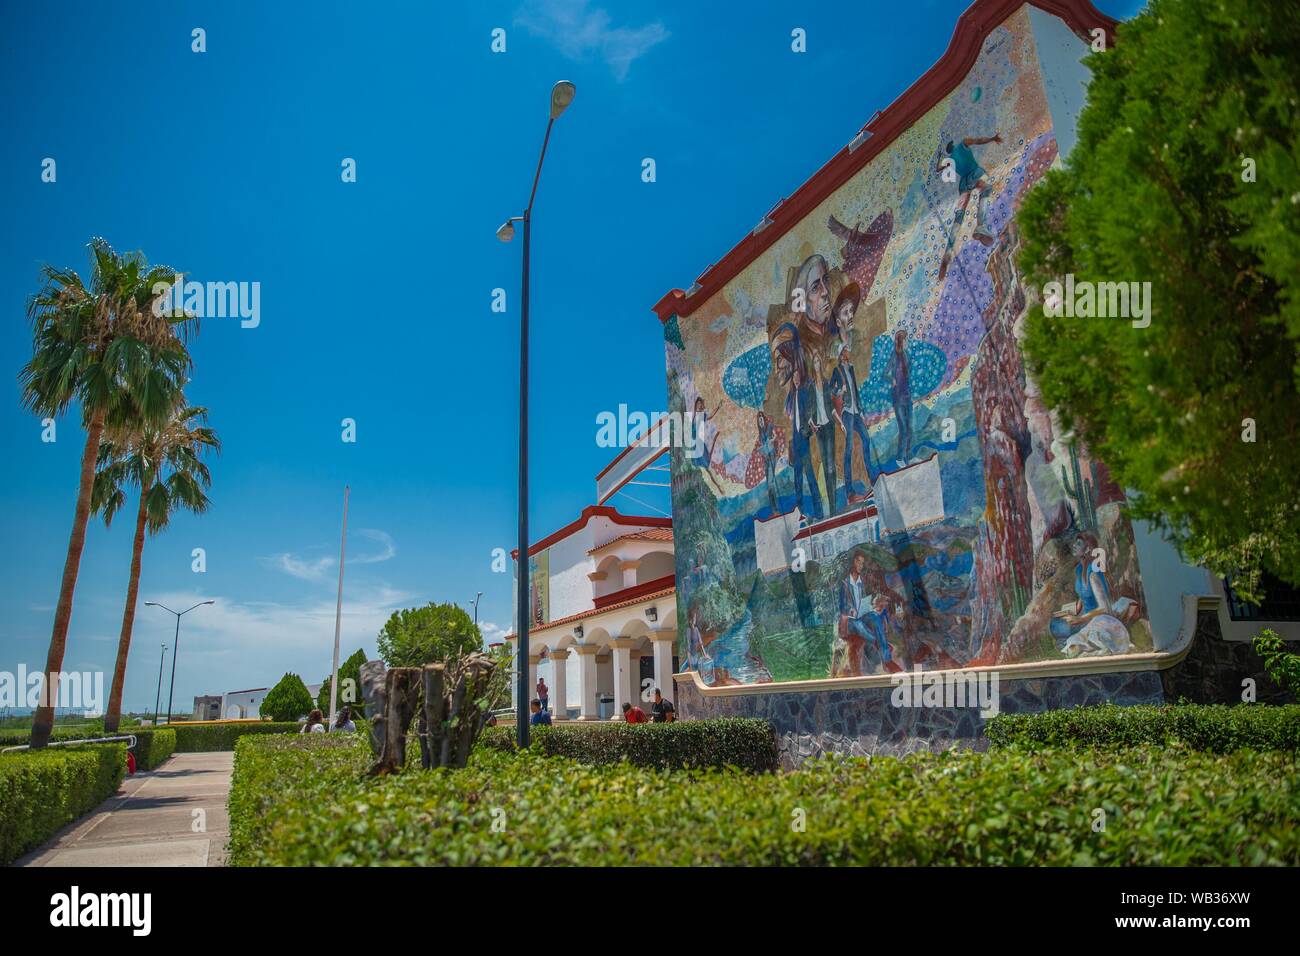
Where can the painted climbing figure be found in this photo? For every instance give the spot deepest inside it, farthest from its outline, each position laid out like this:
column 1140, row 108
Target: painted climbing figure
column 971, row 178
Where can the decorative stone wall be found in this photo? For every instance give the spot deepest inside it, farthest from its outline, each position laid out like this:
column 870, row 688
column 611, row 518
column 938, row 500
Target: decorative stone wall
column 863, row 721
column 1213, row 669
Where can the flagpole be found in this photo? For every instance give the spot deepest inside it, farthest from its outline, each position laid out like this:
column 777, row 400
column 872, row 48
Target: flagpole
column 338, row 614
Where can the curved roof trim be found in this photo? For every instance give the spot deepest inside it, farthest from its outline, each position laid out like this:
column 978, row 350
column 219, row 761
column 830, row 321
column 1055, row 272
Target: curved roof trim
column 973, row 27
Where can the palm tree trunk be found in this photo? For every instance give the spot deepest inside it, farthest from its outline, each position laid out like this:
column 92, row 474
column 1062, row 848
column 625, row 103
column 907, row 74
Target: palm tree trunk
column 43, row 724
column 113, row 716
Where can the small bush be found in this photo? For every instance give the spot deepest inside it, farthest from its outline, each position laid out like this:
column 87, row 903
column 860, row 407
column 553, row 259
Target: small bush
column 43, row 791
column 152, row 747
column 1215, row 728
column 307, row 801
column 745, row 743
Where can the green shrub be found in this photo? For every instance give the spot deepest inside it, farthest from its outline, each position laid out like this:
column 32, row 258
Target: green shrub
column 306, row 801
column 205, row 738
column 287, row 700
column 1215, row 728
column 152, row 747
column 745, row 743
column 43, row 791
column 1280, row 664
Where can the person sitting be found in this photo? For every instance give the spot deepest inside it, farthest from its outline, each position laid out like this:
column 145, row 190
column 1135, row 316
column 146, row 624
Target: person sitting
column 540, row 718
column 315, row 723
column 633, row 715
column 663, row 709
column 343, row 723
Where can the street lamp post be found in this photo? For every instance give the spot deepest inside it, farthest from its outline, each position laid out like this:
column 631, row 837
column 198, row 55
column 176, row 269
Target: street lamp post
column 561, row 97
column 157, row 697
column 176, row 648
column 477, row 598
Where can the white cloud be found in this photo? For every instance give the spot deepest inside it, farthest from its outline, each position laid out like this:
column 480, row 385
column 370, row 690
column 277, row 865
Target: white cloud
column 308, row 569
column 298, row 568
column 492, row 633
column 385, row 540
column 579, row 31
column 242, row 643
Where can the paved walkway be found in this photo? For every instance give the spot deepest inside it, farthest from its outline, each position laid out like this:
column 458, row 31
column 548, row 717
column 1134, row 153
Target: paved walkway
column 152, row 820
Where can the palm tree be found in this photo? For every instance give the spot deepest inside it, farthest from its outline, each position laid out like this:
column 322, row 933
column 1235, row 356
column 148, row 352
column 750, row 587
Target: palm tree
column 165, row 462
column 107, row 346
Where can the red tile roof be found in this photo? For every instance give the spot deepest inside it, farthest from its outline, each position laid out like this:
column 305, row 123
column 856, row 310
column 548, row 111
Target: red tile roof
column 560, row 622
column 651, row 534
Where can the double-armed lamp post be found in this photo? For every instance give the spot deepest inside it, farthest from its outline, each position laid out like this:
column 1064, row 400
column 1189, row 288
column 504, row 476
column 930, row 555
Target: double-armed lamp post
column 176, row 647
column 561, row 97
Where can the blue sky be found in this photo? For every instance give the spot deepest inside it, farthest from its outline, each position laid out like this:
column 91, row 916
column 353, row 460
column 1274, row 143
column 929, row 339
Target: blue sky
column 376, row 295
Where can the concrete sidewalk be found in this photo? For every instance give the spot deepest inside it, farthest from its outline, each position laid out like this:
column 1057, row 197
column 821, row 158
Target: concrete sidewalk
column 152, row 820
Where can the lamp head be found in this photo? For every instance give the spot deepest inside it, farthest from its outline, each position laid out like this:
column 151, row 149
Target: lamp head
column 507, row 230
column 561, row 97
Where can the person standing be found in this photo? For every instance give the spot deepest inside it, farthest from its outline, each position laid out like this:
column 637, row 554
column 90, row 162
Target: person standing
column 662, row 711
column 543, row 694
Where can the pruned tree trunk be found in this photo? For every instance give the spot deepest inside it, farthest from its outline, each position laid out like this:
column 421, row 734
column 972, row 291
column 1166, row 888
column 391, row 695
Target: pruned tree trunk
column 432, row 714
column 451, row 701
column 402, row 687
column 375, row 693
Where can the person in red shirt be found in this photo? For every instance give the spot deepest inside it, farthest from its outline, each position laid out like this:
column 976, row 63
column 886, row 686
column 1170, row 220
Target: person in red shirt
column 633, row 715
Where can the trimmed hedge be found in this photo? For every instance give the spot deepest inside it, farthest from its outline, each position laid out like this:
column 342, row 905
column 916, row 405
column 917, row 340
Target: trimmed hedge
column 1212, row 728
column 307, row 801
column 205, row 738
column 152, row 747
column 745, row 743
column 41, row 792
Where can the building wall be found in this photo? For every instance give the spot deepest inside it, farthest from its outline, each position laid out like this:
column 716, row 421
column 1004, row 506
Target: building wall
column 995, row 527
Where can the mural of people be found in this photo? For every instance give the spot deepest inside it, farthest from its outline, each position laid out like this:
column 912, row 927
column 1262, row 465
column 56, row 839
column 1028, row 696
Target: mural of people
column 971, row 178
column 706, row 441
column 899, row 375
column 846, row 307
column 824, row 426
column 1096, row 623
column 816, row 320
column 864, row 618
column 848, row 412
column 955, row 546
column 798, row 408
column 767, row 448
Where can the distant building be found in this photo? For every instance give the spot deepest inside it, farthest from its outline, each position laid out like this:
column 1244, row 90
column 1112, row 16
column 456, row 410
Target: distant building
column 207, row 708
column 242, row 704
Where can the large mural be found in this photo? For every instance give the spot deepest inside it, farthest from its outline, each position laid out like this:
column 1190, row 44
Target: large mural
column 877, row 485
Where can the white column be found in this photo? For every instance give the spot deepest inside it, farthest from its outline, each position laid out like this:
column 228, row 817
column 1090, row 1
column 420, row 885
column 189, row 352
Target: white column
column 559, row 691
column 623, row 678
column 629, row 572
column 533, row 661
column 587, row 680
column 664, row 641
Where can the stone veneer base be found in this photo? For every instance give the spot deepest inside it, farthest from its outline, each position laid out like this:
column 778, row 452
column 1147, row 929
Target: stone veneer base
column 862, row 721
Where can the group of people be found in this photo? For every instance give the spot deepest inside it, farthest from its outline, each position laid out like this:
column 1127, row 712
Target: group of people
column 342, row 723
column 662, row 712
